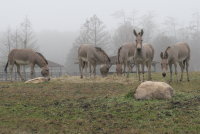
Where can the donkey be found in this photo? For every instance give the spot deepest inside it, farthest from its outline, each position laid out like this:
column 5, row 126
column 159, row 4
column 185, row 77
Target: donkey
column 92, row 56
column 126, row 56
column 144, row 54
column 178, row 53
column 26, row 57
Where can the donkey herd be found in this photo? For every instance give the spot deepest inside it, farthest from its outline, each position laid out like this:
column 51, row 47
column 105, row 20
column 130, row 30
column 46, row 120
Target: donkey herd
column 138, row 53
column 90, row 56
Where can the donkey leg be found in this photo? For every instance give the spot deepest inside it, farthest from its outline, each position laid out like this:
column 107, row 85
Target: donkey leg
column 138, row 70
column 181, row 65
column 149, row 71
column 176, row 73
column 171, row 72
column 90, row 70
column 32, row 71
column 129, row 69
column 19, row 73
column 11, row 71
column 124, row 69
column 80, row 68
column 86, row 66
column 187, row 65
column 94, row 70
column 143, row 72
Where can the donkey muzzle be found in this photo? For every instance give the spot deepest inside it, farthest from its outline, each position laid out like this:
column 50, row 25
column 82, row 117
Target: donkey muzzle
column 138, row 49
column 163, row 74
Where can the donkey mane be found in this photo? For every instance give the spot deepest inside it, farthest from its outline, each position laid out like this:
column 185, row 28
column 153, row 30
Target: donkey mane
column 101, row 50
column 43, row 57
column 119, row 53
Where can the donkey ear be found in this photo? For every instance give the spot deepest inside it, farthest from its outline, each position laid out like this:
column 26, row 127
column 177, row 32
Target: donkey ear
column 161, row 55
column 142, row 32
column 134, row 32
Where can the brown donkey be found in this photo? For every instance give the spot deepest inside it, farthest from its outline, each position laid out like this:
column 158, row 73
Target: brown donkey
column 26, row 57
column 178, row 53
column 144, row 54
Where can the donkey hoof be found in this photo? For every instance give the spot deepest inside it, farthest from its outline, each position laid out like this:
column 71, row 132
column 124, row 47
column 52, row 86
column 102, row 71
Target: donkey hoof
column 81, row 77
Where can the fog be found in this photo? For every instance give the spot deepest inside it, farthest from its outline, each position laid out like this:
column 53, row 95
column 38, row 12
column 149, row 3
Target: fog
column 65, row 15
column 57, row 23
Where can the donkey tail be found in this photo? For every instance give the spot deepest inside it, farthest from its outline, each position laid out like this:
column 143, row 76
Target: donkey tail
column 5, row 69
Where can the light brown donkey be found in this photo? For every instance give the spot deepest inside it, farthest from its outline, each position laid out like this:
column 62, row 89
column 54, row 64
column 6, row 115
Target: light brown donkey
column 92, row 56
column 178, row 53
column 26, row 57
column 144, row 54
column 126, row 56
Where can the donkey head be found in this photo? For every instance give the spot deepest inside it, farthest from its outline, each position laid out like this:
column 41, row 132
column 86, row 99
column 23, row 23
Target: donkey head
column 45, row 71
column 119, row 69
column 138, row 39
column 104, row 69
column 164, row 63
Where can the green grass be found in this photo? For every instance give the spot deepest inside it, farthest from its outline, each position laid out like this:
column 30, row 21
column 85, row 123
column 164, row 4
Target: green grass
column 101, row 105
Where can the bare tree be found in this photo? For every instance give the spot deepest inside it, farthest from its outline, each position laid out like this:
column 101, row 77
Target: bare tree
column 95, row 32
column 133, row 18
column 15, row 38
column 7, row 42
column 171, row 27
column 26, row 35
column 123, row 34
column 147, row 23
column 120, row 14
column 195, row 22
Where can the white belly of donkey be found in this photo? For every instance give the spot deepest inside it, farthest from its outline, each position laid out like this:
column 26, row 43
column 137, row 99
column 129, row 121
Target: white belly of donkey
column 21, row 62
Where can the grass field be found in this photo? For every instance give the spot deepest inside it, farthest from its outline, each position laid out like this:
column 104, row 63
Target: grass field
column 102, row 105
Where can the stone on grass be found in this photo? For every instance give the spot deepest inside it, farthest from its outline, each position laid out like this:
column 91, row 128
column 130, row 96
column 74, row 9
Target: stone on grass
column 153, row 90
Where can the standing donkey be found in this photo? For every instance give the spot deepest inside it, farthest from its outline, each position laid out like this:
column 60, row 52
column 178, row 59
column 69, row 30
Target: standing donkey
column 92, row 56
column 144, row 54
column 180, row 53
column 126, row 57
column 26, row 57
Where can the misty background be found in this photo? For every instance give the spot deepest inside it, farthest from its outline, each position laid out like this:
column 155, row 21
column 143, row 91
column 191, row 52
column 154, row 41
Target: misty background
column 57, row 27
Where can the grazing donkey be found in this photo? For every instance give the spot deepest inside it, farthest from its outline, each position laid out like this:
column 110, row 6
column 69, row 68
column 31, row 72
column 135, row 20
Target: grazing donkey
column 92, row 56
column 144, row 54
column 24, row 57
column 180, row 53
column 126, row 56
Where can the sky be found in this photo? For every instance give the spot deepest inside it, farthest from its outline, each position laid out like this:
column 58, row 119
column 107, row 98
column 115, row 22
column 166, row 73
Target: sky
column 69, row 15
